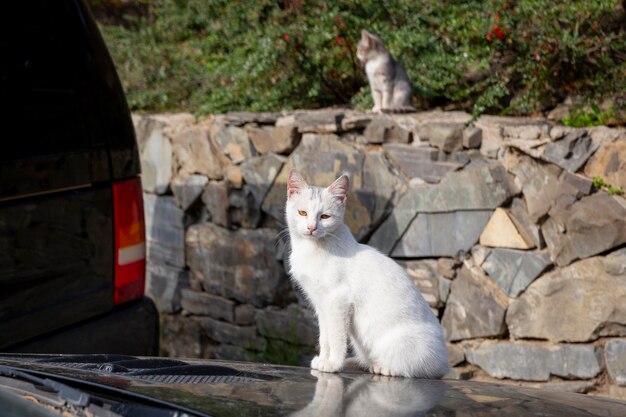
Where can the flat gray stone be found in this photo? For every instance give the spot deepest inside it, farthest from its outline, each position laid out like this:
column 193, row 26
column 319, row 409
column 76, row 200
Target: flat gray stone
column 385, row 130
column 234, row 143
column 480, row 186
column 259, row 174
column 238, row 265
column 424, row 275
column 387, row 235
column 572, row 151
column 280, row 140
column 165, row 230
column 475, row 307
column 195, row 152
column 321, row 121
column 200, row 303
column 156, row 163
column 446, row 136
column 536, row 363
column 609, row 163
column 441, row 234
column 292, row 324
column 513, row 270
column 215, row 198
column 245, row 337
column 529, row 230
column 164, row 285
column 550, row 308
column 577, row 231
column 187, row 189
column 472, row 137
column 456, row 354
column 244, row 314
column 615, row 355
column 241, row 118
column 426, row 163
column 545, row 185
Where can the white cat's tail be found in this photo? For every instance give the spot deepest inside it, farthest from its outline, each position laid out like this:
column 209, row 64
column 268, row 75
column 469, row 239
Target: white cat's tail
column 413, row 351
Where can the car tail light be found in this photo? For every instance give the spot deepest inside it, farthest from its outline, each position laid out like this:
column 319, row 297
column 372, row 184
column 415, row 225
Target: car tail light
column 130, row 240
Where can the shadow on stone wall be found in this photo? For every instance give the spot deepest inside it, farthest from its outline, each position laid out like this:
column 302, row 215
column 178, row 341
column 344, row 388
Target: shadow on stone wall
column 498, row 224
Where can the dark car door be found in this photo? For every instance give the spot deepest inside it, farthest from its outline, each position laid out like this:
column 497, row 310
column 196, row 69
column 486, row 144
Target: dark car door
column 67, row 139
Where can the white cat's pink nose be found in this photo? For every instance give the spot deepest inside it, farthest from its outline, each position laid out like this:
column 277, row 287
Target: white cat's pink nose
column 311, row 228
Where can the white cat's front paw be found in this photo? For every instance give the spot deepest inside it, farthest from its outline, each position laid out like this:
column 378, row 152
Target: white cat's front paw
column 376, row 109
column 326, row 364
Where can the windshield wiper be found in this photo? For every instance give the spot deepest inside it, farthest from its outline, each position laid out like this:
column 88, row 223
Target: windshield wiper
column 65, row 393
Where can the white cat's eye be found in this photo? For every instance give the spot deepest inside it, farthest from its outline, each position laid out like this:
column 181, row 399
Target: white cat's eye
column 302, row 212
column 325, row 216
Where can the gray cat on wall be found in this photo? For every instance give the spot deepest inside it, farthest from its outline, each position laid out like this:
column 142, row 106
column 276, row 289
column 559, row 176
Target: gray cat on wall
column 390, row 85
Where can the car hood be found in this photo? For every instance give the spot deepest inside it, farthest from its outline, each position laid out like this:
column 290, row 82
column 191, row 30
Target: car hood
column 219, row 388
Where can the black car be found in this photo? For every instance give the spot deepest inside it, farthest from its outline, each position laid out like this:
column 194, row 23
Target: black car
column 72, row 241
column 117, row 385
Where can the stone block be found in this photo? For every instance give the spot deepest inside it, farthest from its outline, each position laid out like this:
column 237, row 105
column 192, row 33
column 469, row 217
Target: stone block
column 243, row 208
column 615, row 356
column 536, row 362
column 280, row 140
column 165, row 123
column 183, row 338
column 577, row 231
column 204, row 304
column 456, row 233
column 233, row 142
column 572, row 151
column 195, row 153
column 475, row 308
column 425, row 277
column 384, row 129
column 292, row 324
column 529, row 231
column 472, row 137
column 355, row 121
column 156, row 163
column 456, row 354
column 245, row 337
column 501, row 232
column 609, row 163
column 234, row 176
column 244, row 314
column 215, row 198
column 424, row 162
column 236, row 353
column 446, row 136
column 164, row 285
column 259, row 174
column 187, row 189
column 545, row 185
column 551, row 307
column 239, row 265
column 480, row 186
column 240, row 118
column 322, row 121
column 165, row 235
column 514, row 270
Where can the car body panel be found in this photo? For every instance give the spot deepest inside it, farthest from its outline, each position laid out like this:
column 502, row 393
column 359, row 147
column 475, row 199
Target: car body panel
column 272, row 390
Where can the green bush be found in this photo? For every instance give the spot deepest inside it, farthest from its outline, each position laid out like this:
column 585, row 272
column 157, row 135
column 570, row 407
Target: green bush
column 513, row 57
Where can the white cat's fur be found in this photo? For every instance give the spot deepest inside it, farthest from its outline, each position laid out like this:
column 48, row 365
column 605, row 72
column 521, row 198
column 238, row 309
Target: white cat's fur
column 358, row 293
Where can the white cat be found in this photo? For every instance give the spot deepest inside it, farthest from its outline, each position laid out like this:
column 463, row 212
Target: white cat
column 357, row 292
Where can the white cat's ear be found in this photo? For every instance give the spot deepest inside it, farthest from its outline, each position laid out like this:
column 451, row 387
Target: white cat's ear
column 295, row 183
column 339, row 188
column 367, row 37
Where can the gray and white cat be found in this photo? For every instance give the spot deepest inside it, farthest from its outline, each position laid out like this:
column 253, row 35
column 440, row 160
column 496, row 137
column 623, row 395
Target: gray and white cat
column 358, row 293
column 390, row 85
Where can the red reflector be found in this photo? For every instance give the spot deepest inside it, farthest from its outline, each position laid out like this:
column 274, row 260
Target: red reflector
column 130, row 240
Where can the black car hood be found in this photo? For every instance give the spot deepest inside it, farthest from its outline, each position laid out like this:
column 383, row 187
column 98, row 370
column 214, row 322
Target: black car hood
column 218, row 388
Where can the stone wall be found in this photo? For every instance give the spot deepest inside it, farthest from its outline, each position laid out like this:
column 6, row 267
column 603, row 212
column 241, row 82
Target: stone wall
column 498, row 223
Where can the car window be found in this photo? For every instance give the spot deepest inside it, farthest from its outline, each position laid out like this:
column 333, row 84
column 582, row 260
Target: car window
column 44, row 81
